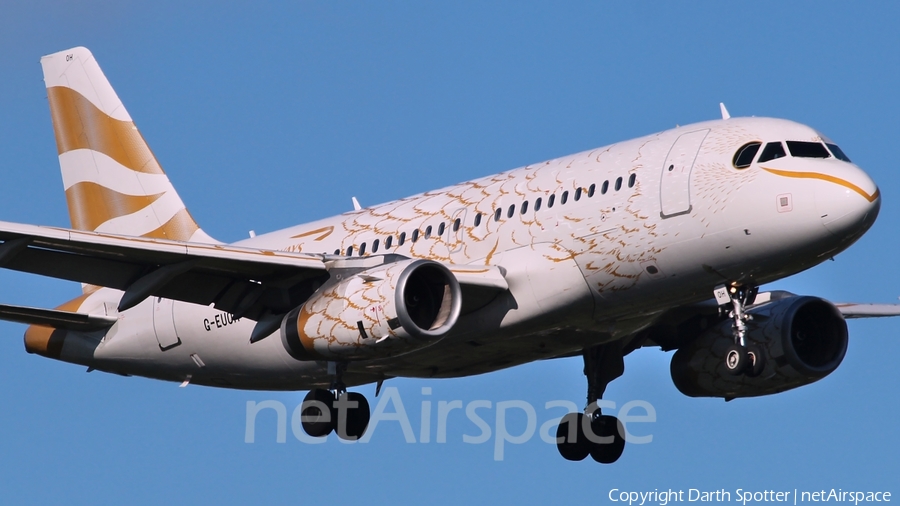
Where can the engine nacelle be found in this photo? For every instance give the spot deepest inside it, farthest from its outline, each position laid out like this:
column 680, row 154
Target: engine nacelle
column 803, row 339
column 383, row 311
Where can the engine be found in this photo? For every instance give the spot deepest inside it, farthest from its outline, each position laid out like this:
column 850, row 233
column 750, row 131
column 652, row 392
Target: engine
column 379, row 312
column 803, row 339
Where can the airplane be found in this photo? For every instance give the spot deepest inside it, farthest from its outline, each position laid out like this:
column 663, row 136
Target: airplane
column 660, row 241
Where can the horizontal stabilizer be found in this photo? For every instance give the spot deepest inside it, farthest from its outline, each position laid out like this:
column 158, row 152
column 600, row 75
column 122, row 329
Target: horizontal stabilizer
column 851, row 310
column 55, row 318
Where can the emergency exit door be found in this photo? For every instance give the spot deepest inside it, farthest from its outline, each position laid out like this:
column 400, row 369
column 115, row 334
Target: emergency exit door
column 164, row 323
column 454, row 236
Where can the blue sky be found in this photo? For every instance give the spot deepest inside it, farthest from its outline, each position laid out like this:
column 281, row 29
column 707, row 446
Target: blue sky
column 265, row 116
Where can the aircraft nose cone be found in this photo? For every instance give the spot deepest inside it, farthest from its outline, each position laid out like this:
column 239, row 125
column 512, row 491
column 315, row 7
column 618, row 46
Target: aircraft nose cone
column 848, row 205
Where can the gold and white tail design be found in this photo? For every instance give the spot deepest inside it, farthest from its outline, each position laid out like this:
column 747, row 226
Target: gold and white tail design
column 113, row 182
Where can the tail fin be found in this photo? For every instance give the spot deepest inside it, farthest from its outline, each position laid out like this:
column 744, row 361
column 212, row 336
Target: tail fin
column 113, row 182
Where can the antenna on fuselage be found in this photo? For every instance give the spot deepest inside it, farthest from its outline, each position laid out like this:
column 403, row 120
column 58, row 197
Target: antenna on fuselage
column 356, row 206
column 722, row 108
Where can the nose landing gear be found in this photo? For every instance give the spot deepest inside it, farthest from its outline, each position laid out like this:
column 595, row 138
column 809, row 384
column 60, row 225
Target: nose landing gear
column 335, row 409
column 593, row 433
column 741, row 358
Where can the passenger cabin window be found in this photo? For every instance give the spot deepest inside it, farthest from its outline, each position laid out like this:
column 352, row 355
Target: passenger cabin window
column 441, row 228
column 349, row 251
column 415, row 235
column 838, row 153
column 618, row 184
column 591, row 190
column 577, row 194
column 631, row 180
column 604, row 188
column 456, row 225
column 564, row 197
column 402, row 239
column 387, row 241
column 802, row 149
column 478, row 219
column 537, row 204
column 337, row 252
column 511, row 211
column 362, row 249
column 744, row 156
column 550, row 201
column 524, row 207
column 375, row 246
column 428, row 231
column 772, row 151
column 497, row 214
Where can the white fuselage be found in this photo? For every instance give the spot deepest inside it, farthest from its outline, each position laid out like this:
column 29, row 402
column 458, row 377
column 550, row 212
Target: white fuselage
column 593, row 246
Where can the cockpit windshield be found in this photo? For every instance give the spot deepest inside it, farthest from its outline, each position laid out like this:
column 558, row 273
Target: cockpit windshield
column 772, row 151
column 802, row 149
column 836, row 151
column 745, row 155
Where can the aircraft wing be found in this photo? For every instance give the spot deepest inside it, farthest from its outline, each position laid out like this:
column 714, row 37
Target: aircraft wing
column 853, row 310
column 848, row 310
column 245, row 281
column 235, row 279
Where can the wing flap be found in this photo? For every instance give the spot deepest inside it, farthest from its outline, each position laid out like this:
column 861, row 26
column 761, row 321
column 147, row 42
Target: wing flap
column 81, row 268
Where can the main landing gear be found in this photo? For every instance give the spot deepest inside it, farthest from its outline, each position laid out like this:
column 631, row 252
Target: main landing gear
column 741, row 357
column 593, row 433
column 335, row 409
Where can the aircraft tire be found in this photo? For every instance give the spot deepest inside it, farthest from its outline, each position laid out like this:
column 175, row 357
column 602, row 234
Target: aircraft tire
column 572, row 450
column 756, row 361
column 606, row 426
column 358, row 417
column 313, row 419
column 736, row 359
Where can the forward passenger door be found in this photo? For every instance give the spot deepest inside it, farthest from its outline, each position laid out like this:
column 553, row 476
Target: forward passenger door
column 675, row 181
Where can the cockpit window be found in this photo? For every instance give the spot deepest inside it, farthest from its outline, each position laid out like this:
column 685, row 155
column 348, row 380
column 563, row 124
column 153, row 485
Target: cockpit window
column 744, row 156
column 836, row 151
column 802, row 149
column 772, row 151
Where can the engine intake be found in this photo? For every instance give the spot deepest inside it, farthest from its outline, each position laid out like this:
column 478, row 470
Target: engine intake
column 426, row 290
column 818, row 337
column 383, row 311
column 803, row 339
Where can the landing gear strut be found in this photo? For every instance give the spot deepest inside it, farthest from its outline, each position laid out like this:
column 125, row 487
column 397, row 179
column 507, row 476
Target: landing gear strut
column 593, row 433
column 741, row 357
column 335, row 409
